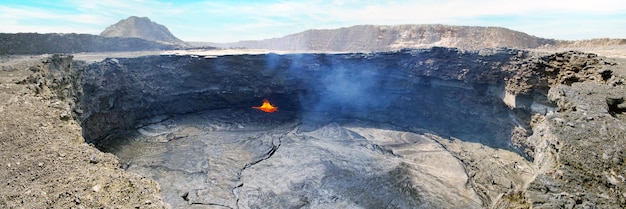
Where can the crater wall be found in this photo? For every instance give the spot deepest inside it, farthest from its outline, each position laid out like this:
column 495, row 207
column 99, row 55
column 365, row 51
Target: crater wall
column 452, row 93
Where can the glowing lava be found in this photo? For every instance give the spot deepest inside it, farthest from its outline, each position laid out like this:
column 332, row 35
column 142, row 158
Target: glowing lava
column 266, row 107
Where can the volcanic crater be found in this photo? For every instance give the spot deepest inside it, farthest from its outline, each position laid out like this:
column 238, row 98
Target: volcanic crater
column 423, row 128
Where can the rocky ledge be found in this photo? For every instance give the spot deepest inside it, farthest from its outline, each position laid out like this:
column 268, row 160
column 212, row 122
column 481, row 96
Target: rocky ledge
column 45, row 162
column 514, row 129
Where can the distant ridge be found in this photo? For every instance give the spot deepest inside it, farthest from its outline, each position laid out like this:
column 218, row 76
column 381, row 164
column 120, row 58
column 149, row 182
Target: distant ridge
column 144, row 28
column 385, row 37
column 36, row 43
column 593, row 42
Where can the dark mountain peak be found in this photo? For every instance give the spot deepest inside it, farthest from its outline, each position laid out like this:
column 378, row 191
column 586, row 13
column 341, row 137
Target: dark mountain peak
column 141, row 27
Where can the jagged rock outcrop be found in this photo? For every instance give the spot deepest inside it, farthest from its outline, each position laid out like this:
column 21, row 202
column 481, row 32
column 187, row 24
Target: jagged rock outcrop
column 530, row 79
column 144, row 28
column 385, row 38
column 555, row 69
column 580, row 150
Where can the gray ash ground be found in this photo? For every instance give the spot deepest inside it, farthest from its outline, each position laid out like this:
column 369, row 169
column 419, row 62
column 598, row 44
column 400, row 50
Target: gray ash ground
column 244, row 158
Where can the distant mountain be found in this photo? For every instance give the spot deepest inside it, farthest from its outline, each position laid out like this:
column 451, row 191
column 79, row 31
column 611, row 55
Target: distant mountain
column 36, row 43
column 144, row 28
column 598, row 42
column 383, row 37
column 130, row 34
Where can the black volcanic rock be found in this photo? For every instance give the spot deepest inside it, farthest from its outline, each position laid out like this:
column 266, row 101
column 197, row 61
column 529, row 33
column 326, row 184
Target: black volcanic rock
column 141, row 27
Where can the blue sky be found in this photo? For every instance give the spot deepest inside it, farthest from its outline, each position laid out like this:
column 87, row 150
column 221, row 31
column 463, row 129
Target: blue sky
column 227, row 21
